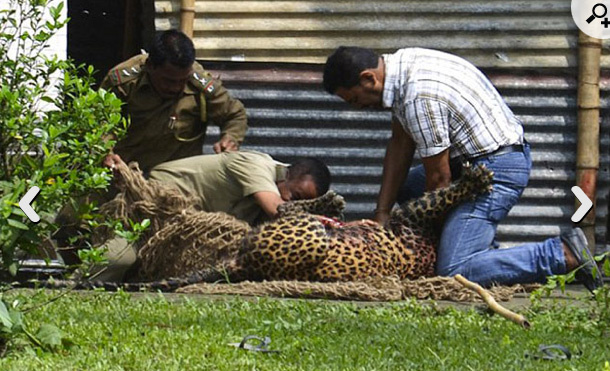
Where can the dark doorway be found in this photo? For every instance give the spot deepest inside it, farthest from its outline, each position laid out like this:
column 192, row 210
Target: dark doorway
column 102, row 33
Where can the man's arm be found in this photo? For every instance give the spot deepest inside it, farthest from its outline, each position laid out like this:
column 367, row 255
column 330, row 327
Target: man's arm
column 429, row 121
column 256, row 175
column 268, row 201
column 229, row 114
column 438, row 172
column 396, row 164
column 109, row 83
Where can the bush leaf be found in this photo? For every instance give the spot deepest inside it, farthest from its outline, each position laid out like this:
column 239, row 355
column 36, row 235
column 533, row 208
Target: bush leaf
column 17, row 224
column 5, row 318
column 50, row 336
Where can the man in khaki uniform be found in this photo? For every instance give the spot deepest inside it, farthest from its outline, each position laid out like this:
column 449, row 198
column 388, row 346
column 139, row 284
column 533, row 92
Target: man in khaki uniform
column 246, row 184
column 170, row 100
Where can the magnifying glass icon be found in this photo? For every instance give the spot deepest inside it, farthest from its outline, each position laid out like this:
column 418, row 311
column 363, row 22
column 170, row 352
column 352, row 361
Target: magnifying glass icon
column 594, row 15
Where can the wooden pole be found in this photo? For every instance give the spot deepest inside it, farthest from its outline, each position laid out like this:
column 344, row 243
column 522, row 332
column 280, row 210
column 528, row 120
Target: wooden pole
column 587, row 154
column 492, row 303
column 187, row 17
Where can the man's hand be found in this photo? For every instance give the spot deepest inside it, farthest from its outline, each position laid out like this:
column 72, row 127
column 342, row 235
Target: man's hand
column 111, row 160
column 226, row 144
column 381, row 216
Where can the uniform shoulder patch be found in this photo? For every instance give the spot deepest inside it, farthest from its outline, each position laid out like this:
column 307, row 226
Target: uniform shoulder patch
column 120, row 76
column 203, row 81
column 127, row 71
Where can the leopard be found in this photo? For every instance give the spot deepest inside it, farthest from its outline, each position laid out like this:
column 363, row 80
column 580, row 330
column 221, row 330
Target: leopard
column 310, row 241
column 303, row 245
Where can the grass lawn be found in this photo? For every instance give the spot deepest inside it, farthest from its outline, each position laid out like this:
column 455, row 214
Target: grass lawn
column 120, row 331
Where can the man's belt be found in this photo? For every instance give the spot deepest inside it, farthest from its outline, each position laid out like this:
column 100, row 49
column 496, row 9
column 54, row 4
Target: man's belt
column 500, row 151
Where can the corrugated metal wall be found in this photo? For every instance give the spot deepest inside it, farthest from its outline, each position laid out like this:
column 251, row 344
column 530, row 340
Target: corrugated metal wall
column 528, row 48
column 503, row 33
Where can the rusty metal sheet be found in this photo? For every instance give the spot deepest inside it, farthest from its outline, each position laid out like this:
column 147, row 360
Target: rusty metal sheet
column 525, row 34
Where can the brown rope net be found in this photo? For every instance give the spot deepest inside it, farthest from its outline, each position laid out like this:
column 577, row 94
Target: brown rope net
column 373, row 289
column 183, row 239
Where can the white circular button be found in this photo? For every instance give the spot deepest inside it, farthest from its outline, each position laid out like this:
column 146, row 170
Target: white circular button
column 592, row 17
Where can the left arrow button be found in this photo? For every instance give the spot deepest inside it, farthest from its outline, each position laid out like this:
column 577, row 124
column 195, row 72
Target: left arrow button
column 25, row 204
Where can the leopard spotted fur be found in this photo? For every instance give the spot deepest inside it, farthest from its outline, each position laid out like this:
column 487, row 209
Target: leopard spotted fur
column 304, row 246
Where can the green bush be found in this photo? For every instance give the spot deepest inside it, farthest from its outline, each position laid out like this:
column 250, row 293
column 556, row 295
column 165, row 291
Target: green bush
column 53, row 126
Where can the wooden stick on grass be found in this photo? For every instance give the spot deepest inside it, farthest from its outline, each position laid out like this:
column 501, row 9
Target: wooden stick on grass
column 492, row 303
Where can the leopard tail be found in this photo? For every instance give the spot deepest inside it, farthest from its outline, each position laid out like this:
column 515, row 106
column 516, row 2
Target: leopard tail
column 427, row 210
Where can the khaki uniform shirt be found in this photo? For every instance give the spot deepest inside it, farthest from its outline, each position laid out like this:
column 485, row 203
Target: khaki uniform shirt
column 226, row 181
column 169, row 129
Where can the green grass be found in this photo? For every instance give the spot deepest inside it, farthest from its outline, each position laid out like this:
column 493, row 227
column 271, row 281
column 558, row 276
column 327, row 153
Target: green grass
column 119, row 331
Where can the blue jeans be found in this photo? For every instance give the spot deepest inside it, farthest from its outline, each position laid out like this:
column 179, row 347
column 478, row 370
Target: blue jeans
column 467, row 244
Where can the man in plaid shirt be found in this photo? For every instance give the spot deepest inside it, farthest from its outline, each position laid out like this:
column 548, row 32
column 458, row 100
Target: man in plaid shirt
column 447, row 111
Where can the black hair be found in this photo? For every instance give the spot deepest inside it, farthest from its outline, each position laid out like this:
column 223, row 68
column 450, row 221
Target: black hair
column 173, row 47
column 343, row 67
column 313, row 167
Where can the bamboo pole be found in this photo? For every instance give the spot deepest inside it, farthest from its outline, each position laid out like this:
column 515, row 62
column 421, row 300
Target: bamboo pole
column 187, row 17
column 587, row 153
column 492, row 303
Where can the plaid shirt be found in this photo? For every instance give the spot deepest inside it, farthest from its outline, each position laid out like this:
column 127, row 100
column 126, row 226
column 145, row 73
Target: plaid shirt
column 444, row 101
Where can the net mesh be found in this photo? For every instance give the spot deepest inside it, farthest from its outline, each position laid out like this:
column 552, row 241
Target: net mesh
column 372, row 289
column 181, row 237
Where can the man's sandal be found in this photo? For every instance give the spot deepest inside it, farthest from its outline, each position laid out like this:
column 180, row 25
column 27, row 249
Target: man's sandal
column 553, row 352
column 587, row 273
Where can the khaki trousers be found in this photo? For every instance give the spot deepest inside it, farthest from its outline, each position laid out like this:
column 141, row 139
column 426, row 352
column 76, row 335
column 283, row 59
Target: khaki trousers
column 121, row 256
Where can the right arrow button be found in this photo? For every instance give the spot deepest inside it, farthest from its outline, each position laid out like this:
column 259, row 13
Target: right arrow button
column 586, row 204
